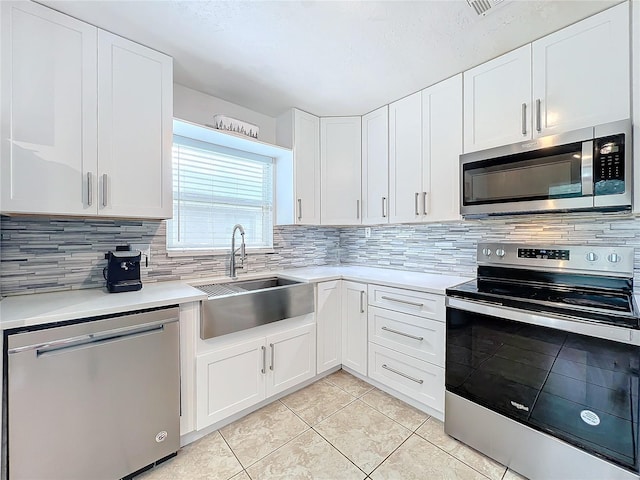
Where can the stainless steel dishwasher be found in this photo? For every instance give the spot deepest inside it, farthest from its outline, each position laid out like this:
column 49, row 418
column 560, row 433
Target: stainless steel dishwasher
column 94, row 399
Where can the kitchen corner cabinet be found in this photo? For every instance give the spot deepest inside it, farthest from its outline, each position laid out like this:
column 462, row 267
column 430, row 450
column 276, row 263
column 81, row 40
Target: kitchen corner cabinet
column 375, row 167
column 340, row 169
column 234, row 377
column 405, row 160
column 329, row 324
column 354, row 326
column 85, row 119
column 551, row 86
column 300, row 131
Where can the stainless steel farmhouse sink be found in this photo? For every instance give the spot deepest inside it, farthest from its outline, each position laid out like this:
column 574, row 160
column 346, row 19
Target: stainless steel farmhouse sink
column 238, row 305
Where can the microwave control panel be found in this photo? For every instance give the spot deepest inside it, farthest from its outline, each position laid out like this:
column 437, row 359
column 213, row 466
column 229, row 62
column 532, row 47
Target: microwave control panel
column 608, row 165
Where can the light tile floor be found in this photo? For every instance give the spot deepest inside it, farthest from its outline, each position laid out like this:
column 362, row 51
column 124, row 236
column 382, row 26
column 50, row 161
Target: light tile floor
column 340, row 427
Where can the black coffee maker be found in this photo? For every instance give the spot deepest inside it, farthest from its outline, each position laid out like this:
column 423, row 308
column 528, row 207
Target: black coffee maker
column 122, row 272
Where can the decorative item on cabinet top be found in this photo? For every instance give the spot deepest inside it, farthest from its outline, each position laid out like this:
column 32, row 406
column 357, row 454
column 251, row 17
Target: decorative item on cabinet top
column 222, row 122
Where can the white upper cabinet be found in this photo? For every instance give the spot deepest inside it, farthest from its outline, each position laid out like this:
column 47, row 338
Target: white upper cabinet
column 135, row 99
column 581, row 73
column 405, row 160
column 375, row 167
column 86, row 125
column 299, row 131
column 497, row 101
column 574, row 78
column 441, row 149
column 48, row 117
column 340, row 167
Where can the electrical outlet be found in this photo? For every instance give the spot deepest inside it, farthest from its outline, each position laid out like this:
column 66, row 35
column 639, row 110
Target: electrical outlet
column 367, row 232
column 145, row 249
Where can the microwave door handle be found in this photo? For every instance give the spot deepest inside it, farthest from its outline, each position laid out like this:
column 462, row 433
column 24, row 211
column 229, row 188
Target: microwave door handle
column 587, row 168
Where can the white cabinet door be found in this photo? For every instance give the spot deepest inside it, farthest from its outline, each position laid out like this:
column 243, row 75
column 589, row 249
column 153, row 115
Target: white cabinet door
column 229, row 380
column 48, row 116
column 441, row 149
column 497, row 101
column 375, row 167
column 354, row 326
column 135, row 96
column 405, row 159
column 291, row 358
column 340, row 169
column 306, row 158
column 581, row 73
column 329, row 324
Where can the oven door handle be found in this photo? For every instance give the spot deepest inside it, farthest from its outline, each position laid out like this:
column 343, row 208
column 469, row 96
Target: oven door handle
column 545, row 319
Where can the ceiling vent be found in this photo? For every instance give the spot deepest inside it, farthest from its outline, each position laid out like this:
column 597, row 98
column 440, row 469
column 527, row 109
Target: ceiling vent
column 484, row 7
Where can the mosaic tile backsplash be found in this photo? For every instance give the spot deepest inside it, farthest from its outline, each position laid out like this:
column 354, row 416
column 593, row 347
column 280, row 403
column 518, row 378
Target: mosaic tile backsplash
column 44, row 255
column 50, row 254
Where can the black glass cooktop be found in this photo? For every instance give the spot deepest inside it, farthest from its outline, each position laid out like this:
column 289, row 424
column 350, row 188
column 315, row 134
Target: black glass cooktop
column 599, row 299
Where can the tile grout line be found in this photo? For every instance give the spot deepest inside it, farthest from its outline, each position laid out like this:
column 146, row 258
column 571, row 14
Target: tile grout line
column 339, row 451
column 234, row 454
column 392, row 452
column 459, row 459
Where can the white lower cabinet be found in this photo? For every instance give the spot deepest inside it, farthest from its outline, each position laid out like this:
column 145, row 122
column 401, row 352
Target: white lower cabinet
column 237, row 376
column 407, row 343
column 329, row 324
column 354, row 326
column 415, row 378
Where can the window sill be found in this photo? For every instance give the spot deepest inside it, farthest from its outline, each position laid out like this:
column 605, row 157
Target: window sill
column 224, row 252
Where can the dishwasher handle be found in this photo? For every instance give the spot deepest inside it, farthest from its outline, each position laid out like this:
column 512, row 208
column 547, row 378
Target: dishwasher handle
column 93, row 338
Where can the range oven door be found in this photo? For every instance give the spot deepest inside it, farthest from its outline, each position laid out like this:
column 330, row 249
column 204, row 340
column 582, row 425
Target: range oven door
column 576, row 387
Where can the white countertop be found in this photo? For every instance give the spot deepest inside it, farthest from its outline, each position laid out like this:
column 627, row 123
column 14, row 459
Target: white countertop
column 424, row 282
column 42, row 308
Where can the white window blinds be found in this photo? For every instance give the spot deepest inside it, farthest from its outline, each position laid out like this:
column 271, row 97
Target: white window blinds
column 215, row 188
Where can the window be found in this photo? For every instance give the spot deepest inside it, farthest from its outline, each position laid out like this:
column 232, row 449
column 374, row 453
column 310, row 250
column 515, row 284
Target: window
column 214, row 188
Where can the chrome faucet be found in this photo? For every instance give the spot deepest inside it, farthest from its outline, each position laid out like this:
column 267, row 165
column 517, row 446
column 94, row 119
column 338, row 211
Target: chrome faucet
column 232, row 261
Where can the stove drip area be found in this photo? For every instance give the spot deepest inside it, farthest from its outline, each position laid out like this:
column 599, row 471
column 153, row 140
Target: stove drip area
column 582, row 389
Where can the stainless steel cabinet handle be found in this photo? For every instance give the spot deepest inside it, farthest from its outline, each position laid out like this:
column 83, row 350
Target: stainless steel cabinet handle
column 89, row 189
column 417, row 201
column 415, row 304
column 80, row 340
column 358, row 209
column 299, row 209
column 105, row 190
column 362, row 301
column 384, row 207
column 403, row 374
column 424, row 202
column 272, row 355
column 524, row 119
column 264, row 359
column 538, row 115
column 402, row 333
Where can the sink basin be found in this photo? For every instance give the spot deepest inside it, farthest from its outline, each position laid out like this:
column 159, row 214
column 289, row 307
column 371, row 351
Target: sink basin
column 243, row 304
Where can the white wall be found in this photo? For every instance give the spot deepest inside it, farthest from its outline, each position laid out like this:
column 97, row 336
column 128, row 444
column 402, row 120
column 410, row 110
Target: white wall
column 198, row 107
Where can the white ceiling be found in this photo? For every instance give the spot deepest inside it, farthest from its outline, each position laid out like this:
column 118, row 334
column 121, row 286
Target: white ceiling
column 325, row 57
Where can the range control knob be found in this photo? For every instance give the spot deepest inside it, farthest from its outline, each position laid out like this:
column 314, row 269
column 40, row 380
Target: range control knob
column 486, row 252
column 500, row 252
column 592, row 257
column 614, row 258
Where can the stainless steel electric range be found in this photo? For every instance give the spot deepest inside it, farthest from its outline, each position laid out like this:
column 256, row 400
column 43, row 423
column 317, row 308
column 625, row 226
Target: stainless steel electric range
column 543, row 361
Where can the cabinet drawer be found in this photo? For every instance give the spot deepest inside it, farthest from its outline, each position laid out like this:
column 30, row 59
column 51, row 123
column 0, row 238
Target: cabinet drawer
column 423, row 304
column 418, row 337
column 419, row 380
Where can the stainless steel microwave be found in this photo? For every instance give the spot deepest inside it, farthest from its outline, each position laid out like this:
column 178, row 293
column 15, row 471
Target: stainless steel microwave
column 586, row 169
